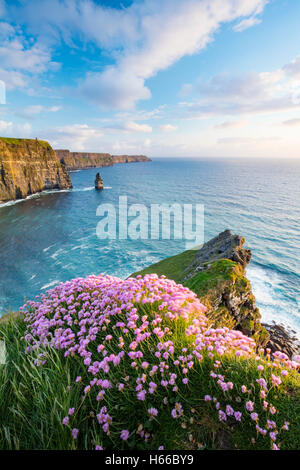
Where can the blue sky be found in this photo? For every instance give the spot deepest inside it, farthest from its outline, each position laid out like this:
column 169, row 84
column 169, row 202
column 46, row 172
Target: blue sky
column 207, row 78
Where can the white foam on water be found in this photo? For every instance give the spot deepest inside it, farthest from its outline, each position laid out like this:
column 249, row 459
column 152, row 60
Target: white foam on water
column 268, row 288
column 58, row 252
column 88, row 188
column 50, row 284
column 34, row 196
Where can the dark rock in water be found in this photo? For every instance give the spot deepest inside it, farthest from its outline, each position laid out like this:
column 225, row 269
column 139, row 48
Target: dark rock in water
column 282, row 339
column 98, row 182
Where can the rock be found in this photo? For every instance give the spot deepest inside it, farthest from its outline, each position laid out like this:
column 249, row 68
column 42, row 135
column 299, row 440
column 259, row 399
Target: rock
column 82, row 160
column 98, row 182
column 223, row 246
column 28, row 166
column 282, row 339
column 217, row 274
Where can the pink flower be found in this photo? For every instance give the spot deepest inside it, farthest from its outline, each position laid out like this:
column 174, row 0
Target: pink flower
column 152, row 412
column 229, row 410
column 65, row 421
column 141, row 395
column 124, row 435
column 75, row 432
column 250, row 405
column 71, row 411
column 207, row 398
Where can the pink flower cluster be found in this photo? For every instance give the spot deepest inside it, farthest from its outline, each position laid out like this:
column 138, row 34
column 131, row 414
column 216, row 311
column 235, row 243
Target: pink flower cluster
column 110, row 323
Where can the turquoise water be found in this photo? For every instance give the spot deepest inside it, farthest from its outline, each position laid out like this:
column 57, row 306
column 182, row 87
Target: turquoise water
column 51, row 237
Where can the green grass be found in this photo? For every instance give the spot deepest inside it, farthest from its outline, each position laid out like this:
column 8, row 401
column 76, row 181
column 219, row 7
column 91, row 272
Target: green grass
column 15, row 141
column 34, row 401
column 172, row 267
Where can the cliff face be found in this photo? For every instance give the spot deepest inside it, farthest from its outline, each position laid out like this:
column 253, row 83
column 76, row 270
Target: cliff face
column 29, row 166
column 81, row 160
column 216, row 273
column 130, row 158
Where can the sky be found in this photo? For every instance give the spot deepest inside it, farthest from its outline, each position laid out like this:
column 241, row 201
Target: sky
column 165, row 78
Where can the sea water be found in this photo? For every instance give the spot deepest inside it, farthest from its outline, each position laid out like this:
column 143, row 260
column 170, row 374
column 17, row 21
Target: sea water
column 51, row 237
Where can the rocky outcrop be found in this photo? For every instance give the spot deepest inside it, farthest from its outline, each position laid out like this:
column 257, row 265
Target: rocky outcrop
column 282, row 339
column 98, row 182
column 223, row 246
column 83, row 160
column 29, row 166
column 216, row 273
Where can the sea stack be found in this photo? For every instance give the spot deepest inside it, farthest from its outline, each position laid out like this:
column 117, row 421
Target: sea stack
column 98, row 182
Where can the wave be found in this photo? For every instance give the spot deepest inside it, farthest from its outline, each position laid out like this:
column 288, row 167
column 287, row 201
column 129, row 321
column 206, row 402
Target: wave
column 50, row 284
column 34, row 196
column 89, row 188
column 271, row 297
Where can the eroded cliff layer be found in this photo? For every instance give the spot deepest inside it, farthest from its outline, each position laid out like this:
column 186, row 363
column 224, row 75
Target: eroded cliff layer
column 29, row 166
column 81, row 160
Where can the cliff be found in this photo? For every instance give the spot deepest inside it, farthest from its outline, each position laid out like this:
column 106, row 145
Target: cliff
column 27, row 167
column 216, row 273
column 82, row 160
column 130, row 158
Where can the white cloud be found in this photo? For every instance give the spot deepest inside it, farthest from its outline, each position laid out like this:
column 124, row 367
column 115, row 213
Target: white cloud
column 168, row 128
column 5, row 126
column 134, row 126
column 21, row 58
column 231, row 124
column 292, row 122
column 74, row 137
column 146, row 37
column 11, row 129
column 247, row 23
column 247, row 140
column 293, row 68
column 250, row 93
column 31, row 111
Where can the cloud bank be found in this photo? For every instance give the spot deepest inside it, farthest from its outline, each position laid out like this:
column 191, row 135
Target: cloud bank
column 142, row 39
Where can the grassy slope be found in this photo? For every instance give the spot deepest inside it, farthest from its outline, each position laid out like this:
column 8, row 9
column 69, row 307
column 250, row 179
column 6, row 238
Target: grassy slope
column 172, row 267
column 11, row 140
column 35, row 399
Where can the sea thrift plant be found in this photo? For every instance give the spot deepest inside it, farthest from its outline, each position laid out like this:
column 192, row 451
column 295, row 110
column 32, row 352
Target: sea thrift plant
column 146, row 342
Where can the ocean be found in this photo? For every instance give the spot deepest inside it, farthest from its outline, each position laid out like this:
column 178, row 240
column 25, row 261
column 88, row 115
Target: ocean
column 51, row 237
